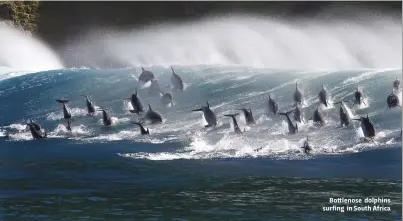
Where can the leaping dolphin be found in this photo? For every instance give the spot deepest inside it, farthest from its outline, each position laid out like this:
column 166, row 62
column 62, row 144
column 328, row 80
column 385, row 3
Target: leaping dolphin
column 209, row 115
column 323, row 96
column 176, row 81
column 166, row 99
column 136, row 103
column 307, row 148
column 145, row 76
column 34, row 132
column 298, row 114
column 153, row 116
column 236, row 127
column 367, row 127
column 155, row 87
column 142, row 130
column 298, row 97
column 344, row 117
column 317, row 116
column 68, row 127
column 358, row 97
column 273, row 105
column 393, row 100
column 90, row 105
column 66, row 110
column 248, row 116
column 106, row 119
column 291, row 128
column 396, row 84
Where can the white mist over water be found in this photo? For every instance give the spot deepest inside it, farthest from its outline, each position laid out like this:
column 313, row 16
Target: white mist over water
column 20, row 51
column 252, row 41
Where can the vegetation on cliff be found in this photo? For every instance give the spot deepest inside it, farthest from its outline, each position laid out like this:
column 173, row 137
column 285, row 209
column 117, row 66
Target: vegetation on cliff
column 23, row 14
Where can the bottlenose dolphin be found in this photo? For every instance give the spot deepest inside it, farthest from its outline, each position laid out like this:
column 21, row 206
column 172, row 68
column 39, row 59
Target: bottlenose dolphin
column 273, row 105
column 153, row 116
column 367, row 127
column 209, row 115
column 34, row 132
column 166, row 99
column 297, row 95
column 358, row 97
column 396, row 84
column 90, row 105
column 145, row 76
column 36, row 125
column 307, row 148
column 317, row 116
column 155, row 87
column 176, row 81
column 344, row 117
column 323, row 96
column 298, row 114
column 142, row 130
column 66, row 110
column 291, row 128
column 68, row 125
column 393, row 100
column 236, row 127
column 107, row 120
column 248, row 116
column 136, row 103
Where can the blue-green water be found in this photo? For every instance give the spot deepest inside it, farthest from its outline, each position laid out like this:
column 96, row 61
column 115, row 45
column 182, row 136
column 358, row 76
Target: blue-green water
column 183, row 171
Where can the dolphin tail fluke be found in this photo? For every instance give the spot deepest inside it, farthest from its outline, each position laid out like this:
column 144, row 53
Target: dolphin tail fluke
column 62, row 101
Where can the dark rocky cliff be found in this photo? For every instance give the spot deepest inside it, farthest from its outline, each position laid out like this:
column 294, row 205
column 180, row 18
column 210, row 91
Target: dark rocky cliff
column 57, row 21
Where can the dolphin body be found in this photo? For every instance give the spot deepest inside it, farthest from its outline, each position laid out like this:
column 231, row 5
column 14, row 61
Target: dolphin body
column 68, row 125
column 306, row 147
column 396, row 84
column 35, row 132
column 142, row 130
column 248, row 116
column 344, row 117
column 166, row 99
column 136, row 103
column 153, row 116
column 291, row 128
column 145, row 76
column 90, row 105
column 298, row 97
column 367, row 127
column 236, row 127
column 298, row 114
column 273, row 105
column 317, row 116
column 393, row 100
column 358, row 97
column 176, row 81
column 323, row 96
column 155, row 87
column 209, row 115
column 106, row 119
column 66, row 110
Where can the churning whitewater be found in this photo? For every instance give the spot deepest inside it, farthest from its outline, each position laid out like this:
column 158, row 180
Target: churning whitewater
column 229, row 75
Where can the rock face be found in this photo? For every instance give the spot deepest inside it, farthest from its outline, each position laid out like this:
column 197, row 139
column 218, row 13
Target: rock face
column 22, row 14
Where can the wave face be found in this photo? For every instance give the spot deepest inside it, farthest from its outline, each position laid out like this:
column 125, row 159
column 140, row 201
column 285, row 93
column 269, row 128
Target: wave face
column 370, row 42
column 226, row 89
column 25, row 53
